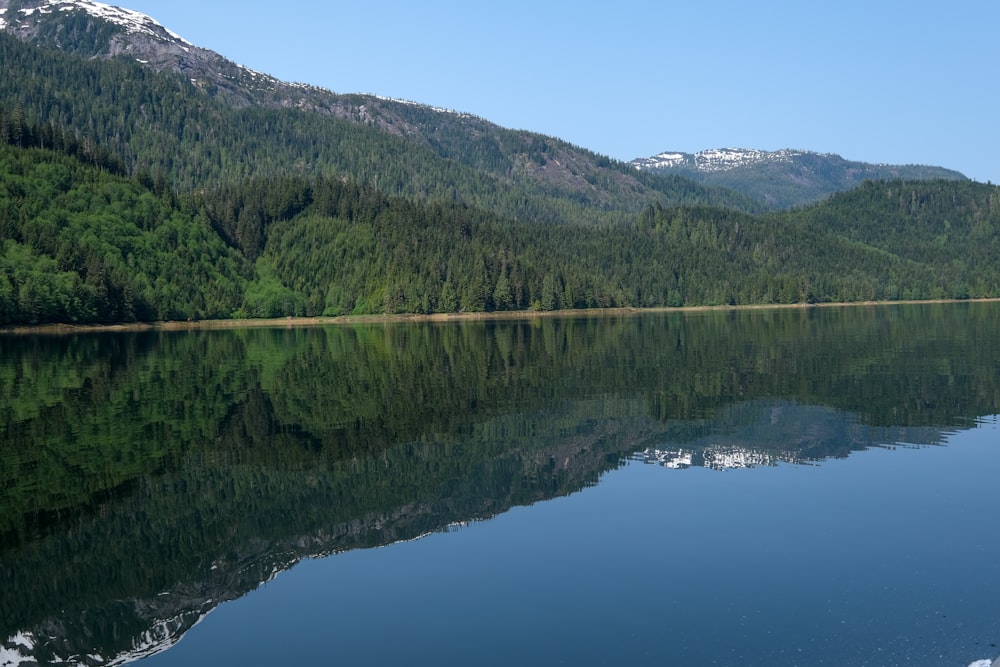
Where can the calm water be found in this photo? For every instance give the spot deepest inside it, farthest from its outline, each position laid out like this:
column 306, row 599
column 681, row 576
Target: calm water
column 815, row 487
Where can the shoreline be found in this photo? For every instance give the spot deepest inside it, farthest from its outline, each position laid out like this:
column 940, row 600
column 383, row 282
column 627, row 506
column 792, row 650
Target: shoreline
column 340, row 320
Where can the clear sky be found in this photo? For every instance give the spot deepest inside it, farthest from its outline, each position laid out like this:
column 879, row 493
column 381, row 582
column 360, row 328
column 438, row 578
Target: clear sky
column 895, row 81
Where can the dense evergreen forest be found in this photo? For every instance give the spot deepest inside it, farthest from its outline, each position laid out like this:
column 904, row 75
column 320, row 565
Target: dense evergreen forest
column 84, row 244
column 80, row 244
column 128, row 195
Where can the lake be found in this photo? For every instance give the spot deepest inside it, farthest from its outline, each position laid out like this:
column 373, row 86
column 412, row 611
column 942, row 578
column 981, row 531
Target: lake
column 814, row 486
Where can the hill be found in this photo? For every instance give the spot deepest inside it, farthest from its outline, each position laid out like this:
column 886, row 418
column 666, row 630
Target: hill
column 782, row 179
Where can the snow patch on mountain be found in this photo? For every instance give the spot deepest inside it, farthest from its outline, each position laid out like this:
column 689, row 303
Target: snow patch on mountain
column 132, row 21
column 397, row 100
column 717, row 159
column 666, row 160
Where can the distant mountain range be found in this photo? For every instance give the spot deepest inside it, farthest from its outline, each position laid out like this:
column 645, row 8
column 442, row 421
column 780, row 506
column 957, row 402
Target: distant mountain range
column 780, row 179
column 784, row 178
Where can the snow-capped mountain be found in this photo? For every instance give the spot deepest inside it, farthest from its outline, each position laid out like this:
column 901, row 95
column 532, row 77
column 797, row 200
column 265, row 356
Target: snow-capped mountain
column 99, row 30
column 21, row 16
column 783, row 178
column 720, row 159
column 96, row 29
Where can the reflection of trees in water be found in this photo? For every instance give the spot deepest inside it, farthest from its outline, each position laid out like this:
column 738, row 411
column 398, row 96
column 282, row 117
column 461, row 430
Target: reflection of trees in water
column 198, row 464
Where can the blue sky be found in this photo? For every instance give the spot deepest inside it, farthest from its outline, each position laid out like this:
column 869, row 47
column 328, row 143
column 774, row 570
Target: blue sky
column 903, row 82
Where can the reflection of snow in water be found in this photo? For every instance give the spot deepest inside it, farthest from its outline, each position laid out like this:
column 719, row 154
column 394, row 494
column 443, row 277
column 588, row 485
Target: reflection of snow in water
column 20, row 650
column 677, row 458
column 717, row 457
column 16, row 649
column 724, row 458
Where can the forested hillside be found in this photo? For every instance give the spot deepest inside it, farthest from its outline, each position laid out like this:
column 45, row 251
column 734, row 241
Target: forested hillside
column 83, row 244
column 162, row 122
column 78, row 244
column 351, row 250
column 938, row 223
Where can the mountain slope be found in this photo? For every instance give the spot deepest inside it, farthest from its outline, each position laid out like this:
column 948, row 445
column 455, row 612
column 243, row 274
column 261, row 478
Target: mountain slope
column 937, row 223
column 782, row 179
column 163, row 104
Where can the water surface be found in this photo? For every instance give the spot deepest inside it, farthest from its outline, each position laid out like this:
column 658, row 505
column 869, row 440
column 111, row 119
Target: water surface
column 813, row 487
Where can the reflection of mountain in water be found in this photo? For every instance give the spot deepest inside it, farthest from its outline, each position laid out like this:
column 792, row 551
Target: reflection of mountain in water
column 548, row 465
column 766, row 434
column 219, row 526
column 147, row 479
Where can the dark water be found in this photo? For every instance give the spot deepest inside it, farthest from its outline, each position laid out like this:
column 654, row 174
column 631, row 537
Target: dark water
column 807, row 487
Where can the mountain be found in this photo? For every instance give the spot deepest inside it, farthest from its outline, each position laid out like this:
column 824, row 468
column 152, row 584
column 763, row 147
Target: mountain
column 785, row 178
column 205, row 120
column 97, row 30
column 143, row 178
